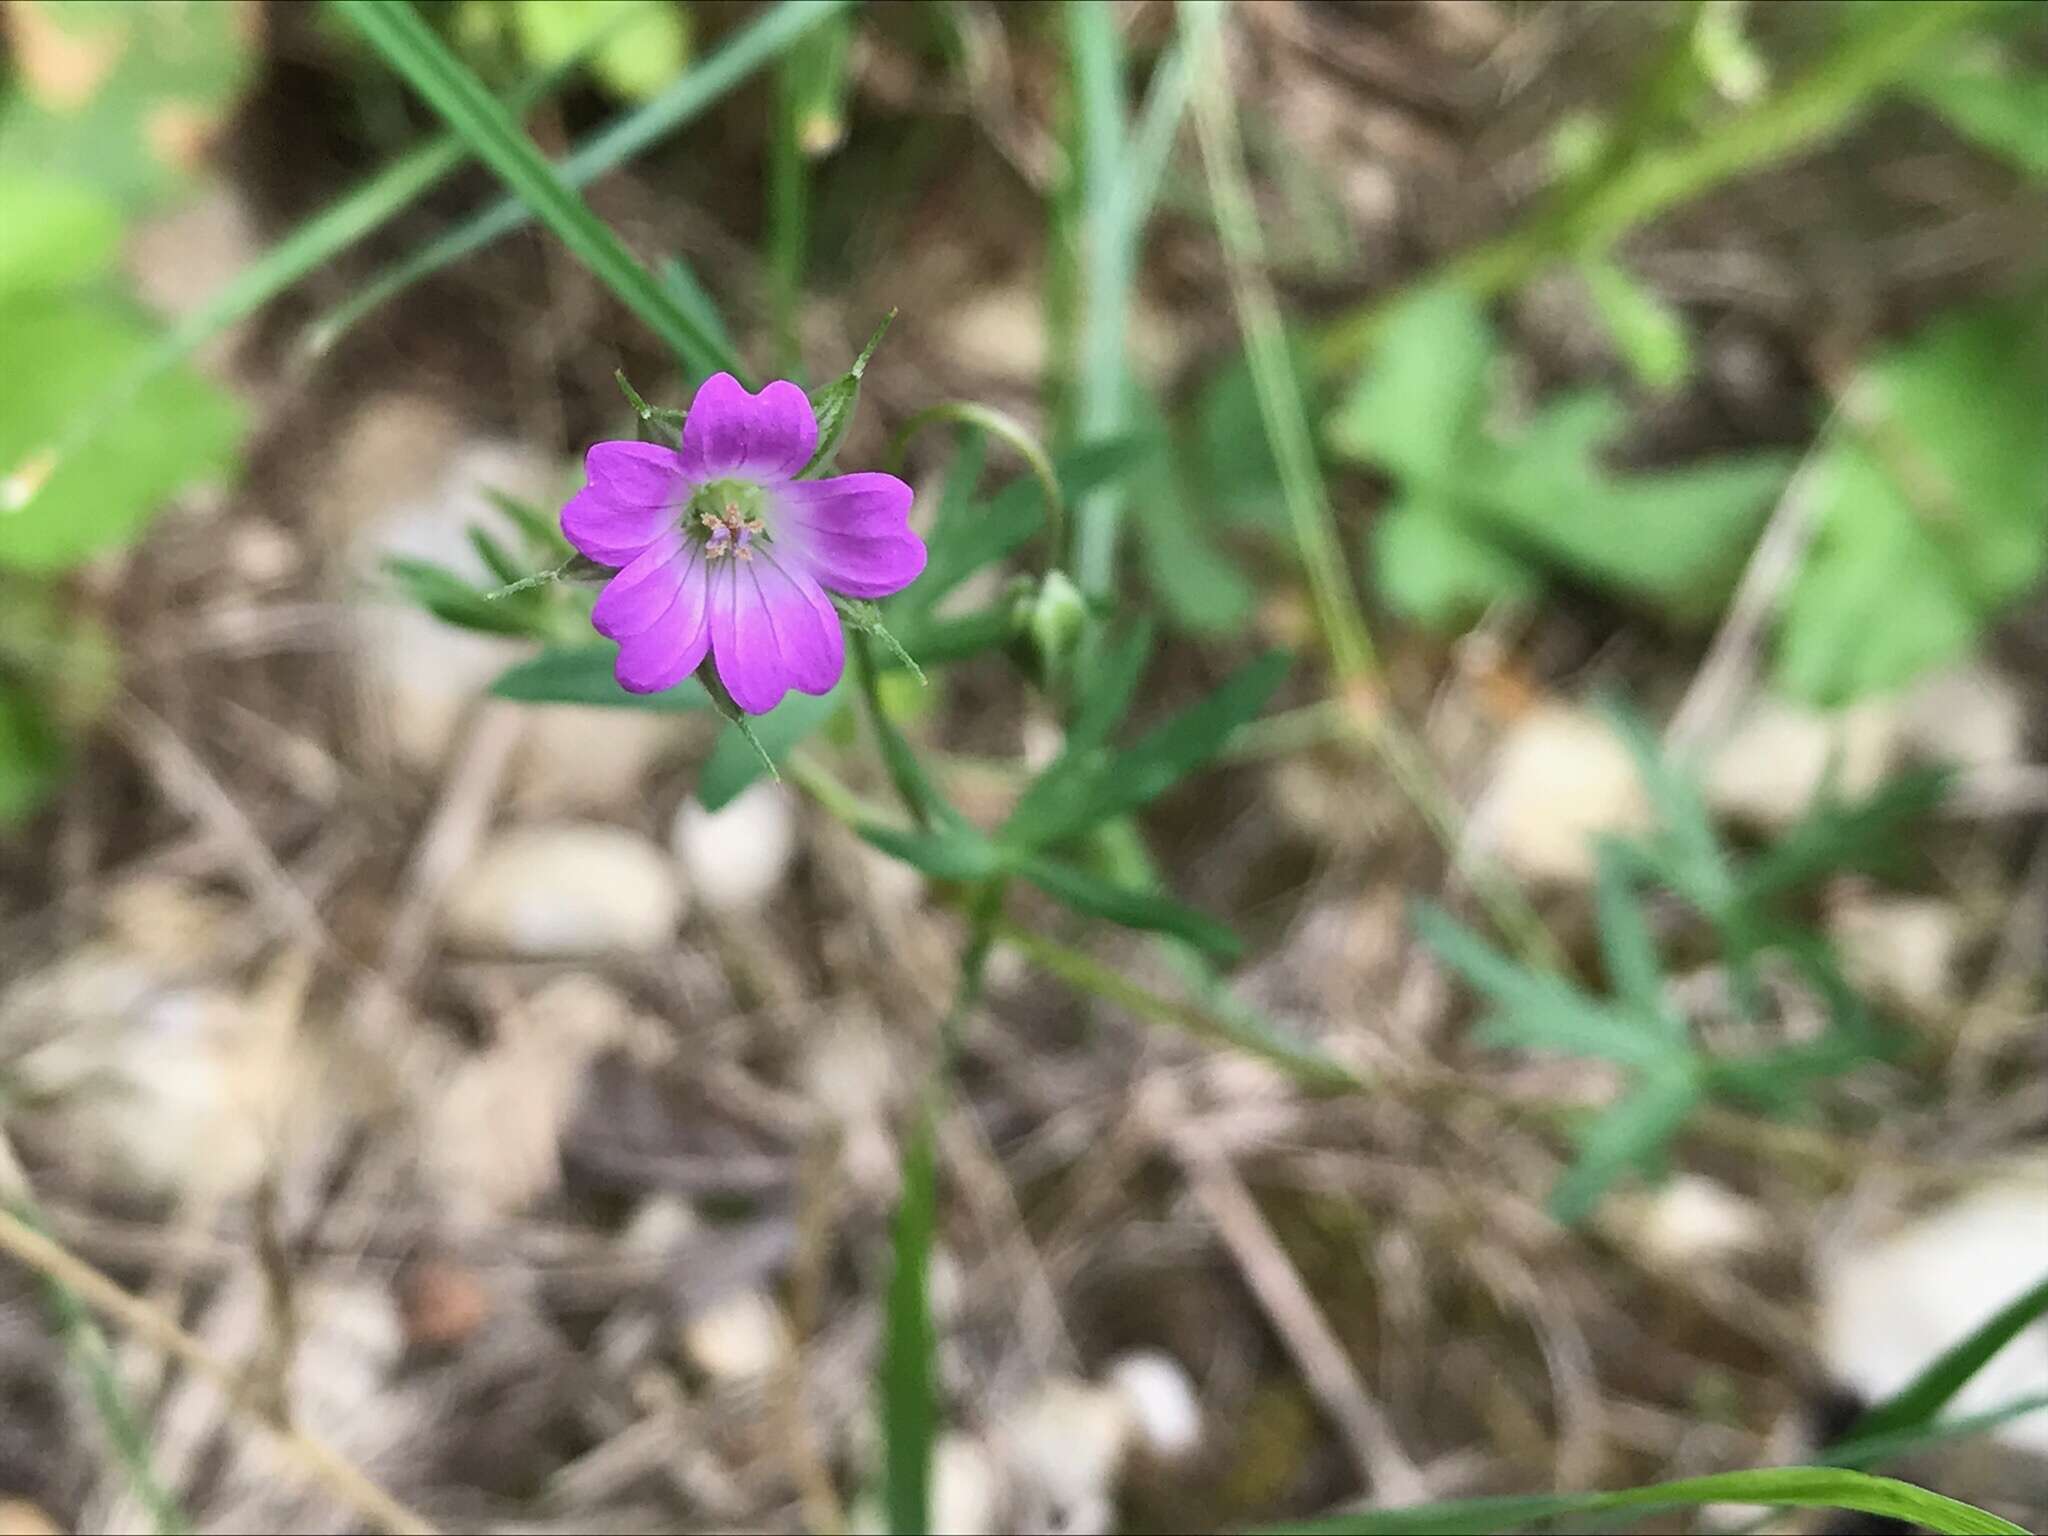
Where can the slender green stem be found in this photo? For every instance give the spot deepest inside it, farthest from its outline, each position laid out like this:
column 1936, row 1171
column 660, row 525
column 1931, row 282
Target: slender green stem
column 90, row 1353
column 1265, row 340
column 1589, row 218
column 789, row 184
column 751, row 48
column 998, row 424
column 911, row 785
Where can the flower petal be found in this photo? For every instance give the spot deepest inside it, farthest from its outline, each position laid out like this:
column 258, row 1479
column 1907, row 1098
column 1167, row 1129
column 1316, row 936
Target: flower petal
column 672, row 645
column 637, row 474
column 635, row 598
column 767, row 437
column 772, row 630
column 611, row 533
column 853, row 532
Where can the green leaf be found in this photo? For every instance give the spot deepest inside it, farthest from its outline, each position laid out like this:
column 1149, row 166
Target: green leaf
column 1626, row 943
column 454, row 601
column 31, row 753
column 1649, row 334
column 140, row 91
column 583, row 675
column 1125, row 907
column 1201, row 588
column 1931, row 507
column 1916, row 1404
column 1623, row 1137
column 957, row 854
column 1059, row 806
column 835, row 404
column 1992, row 99
column 448, row 85
column 641, row 45
column 1865, row 836
column 1105, row 694
column 748, row 49
column 735, row 763
column 56, row 511
column 909, row 1375
column 1417, row 408
column 1437, row 571
column 53, row 233
column 1536, row 1010
column 1780, row 1487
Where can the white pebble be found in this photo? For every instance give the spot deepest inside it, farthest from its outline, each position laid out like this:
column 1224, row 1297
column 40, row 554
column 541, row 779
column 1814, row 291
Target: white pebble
column 1064, row 1448
column 1969, row 716
column 1902, row 948
column 1695, row 1220
column 965, row 1489
column 1560, row 778
column 1891, row 1300
column 569, row 888
column 1777, row 756
column 1162, row 1403
column 740, row 1338
column 737, row 856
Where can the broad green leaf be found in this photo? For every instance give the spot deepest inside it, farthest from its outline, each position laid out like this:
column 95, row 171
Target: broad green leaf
column 1127, row 908
column 54, row 233
column 1648, row 333
column 1916, row 1404
column 1993, row 99
column 734, row 763
column 1417, row 409
column 178, row 429
column 1931, row 506
column 583, row 675
column 122, row 98
column 1622, row 1138
column 1437, row 571
column 1782, row 1487
column 909, row 1370
column 31, row 753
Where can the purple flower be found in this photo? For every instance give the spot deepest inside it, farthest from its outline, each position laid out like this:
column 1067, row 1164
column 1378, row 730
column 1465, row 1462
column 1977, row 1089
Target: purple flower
column 720, row 548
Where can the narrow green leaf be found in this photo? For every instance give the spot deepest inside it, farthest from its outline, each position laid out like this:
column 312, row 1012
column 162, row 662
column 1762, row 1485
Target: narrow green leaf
column 1624, row 1137
column 909, row 1384
column 1125, row 907
column 734, row 763
column 955, row 854
column 454, row 601
column 1105, row 697
column 757, row 44
column 583, row 675
column 31, row 753
column 1649, row 334
column 1916, row 1405
column 452, row 89
column 1626, row 943
column 1865, row 836
column 835, row 404
column 1780, row 1487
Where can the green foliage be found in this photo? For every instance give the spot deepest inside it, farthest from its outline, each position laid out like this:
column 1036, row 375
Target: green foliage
column 1915, row 1406
column 1746, row 904
column 582, row 674
column 1989, row 93
column 909, row 1384
column 1931, row 506
column 1649, row 334
column 129, row 95
column 1479, row 517
column 1781, row 1487
column 635, row 47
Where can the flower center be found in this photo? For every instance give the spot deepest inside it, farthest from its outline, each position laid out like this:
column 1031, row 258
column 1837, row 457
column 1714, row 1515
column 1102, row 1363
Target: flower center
column 729, row 512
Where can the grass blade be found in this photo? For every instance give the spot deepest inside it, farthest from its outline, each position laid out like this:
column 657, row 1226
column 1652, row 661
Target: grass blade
column 758, row 44
column 1929, row 1392
column 452, row 89
column 1125, row 907
column 909, row 1384
column 1784, row 1487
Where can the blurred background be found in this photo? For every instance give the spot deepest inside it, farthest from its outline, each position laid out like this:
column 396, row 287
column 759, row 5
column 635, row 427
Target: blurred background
column 1657, row 526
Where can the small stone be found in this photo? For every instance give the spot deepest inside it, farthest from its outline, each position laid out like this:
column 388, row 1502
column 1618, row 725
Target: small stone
column 1900, row 948
column 1778, row 755
column 1692, row 1220
column 1163, row 1408
column 738, row 855
column 1561, row 778
column 443, row 1303
column 661, row 1225
column 1893, row 1299
column 1001, row 330
column 565, row 889
column 1064, row 1448
column 1968, row 716
column 966, row 1487
column 741, row 1338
